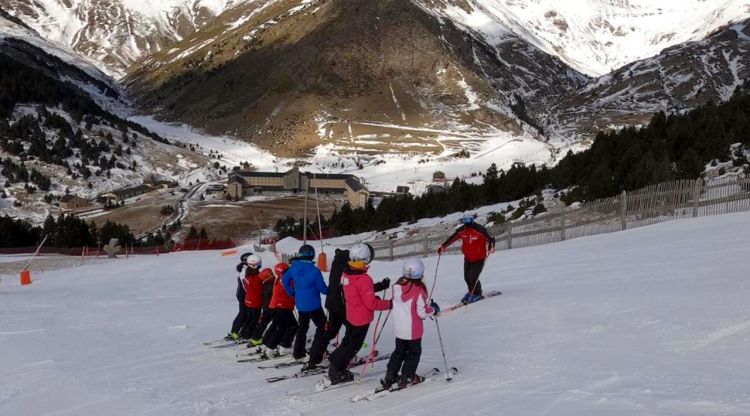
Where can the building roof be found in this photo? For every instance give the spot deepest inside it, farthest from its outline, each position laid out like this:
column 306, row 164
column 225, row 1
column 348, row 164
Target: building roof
column 68, row 198
column 335, row 176
column 137, row 189
column 355, row 184
column 256, row 174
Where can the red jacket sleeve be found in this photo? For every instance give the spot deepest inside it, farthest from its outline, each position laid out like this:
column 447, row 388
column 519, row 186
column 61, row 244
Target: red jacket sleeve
column 370, row 301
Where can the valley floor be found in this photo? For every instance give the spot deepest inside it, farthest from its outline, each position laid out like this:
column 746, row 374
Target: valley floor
column 651, row 321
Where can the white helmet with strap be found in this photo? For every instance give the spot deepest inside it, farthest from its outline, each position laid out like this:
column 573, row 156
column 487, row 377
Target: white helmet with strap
column 413, row 268
column 254, row 261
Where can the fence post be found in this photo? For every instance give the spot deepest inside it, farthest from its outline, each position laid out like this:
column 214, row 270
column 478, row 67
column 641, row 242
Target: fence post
column 390, row 249
column 623, row 210
column 562, row 224
column 425, row 247
column 510, row 235
column 697, row 196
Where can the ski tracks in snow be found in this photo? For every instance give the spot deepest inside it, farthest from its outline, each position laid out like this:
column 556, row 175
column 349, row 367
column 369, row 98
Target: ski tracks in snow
column 722, row 333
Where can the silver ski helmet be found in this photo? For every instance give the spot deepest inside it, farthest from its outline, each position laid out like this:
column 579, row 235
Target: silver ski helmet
column 413, row 268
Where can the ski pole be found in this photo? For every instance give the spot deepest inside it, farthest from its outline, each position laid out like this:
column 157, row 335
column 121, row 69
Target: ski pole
column 375, row 337
column 434, row 282
column 442, row 349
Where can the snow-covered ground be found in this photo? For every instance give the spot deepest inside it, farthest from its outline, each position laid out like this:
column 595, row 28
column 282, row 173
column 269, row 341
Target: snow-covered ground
column 381, row 172
column 649, row 321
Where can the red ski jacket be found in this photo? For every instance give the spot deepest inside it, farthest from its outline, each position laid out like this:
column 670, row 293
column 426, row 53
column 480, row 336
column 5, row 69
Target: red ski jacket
column 253, row 289
column 360, row 299
column 280, row 299
column 475, row 239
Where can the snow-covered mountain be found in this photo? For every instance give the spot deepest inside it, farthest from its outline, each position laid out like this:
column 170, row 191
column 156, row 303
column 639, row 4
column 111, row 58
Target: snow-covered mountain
column 594, row 37
column 371, row 76
column 60, row 130
column 679, row 78
column 417, row 76
column 116, row 33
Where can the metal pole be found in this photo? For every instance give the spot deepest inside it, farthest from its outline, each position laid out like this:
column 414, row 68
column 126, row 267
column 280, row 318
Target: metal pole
column 28, row 263
column 260, row 231
column 317, row 207
column 304, row 221
column 442, row 349
column 434, row 282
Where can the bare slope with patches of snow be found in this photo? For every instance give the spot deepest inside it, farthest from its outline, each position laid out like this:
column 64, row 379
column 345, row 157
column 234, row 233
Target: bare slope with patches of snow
column 647, row 321
column 594, row 36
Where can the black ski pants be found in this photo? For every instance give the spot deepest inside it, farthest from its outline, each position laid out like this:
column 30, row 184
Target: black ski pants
column 472, row 269
column 350, row 345
column 404, row 358
column 318, row 317
column 265, row 319
column 335, row 321
column 239, row 320
column 251, row 320
column 282, row 329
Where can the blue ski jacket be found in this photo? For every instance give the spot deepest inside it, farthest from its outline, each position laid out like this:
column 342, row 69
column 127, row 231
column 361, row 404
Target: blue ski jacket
column 308, row 285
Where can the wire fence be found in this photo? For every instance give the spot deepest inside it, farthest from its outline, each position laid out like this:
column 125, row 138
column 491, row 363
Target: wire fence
column 657, row 203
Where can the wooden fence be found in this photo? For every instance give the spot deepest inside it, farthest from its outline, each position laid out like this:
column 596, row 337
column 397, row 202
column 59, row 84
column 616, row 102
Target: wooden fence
column 657, row 203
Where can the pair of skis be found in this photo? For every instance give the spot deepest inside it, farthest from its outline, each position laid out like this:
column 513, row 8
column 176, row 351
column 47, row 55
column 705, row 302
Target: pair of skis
column 323, row 368
column 380, row 391
column 459, row 305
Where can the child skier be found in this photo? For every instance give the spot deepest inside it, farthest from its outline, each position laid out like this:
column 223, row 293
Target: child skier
column 239, row 319
column 267, row 279
column 283, row 324
column 361, row 302
column 305, row 283
column 410, row 307
column 335, row 306
column 253, row 295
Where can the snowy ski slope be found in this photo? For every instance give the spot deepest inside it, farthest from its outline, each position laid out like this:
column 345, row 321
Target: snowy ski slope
column 652, row 321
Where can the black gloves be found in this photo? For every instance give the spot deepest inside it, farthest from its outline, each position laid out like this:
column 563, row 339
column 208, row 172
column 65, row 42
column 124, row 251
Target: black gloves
column 435, row 306
column 386, row 283
column 239, row 267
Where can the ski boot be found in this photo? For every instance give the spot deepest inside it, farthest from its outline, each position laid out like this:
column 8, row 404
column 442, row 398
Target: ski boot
column 308, row 366
column 388, row 381
column 256, row 342
column 268, row 353
column 474, row 298
column 465, row 299
column 409, row 381
column 338, row 377
column 285, row 350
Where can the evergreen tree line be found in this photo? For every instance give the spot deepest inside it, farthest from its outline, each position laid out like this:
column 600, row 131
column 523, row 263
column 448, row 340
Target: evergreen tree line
column 671, row 147
column 291, row 227
column 22, row 83
column 65, row 231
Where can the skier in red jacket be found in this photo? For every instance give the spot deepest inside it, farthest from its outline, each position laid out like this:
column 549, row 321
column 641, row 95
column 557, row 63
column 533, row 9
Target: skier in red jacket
column 283, row 325
column 477, row 244
column 253, row 286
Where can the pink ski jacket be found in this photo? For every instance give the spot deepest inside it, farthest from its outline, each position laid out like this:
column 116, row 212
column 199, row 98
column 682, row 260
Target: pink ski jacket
column 409, row 309
column 360, row 299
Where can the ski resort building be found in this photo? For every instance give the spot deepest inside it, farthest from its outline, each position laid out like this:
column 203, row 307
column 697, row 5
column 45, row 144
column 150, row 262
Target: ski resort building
column 243, row 183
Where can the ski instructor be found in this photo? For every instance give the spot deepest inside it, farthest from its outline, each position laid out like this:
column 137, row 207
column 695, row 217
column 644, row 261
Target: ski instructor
column 477, row 244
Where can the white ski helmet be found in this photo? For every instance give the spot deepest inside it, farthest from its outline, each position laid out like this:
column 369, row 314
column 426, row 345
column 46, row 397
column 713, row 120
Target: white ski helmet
column 413, row 268
column 254, row 261
column 361, row 252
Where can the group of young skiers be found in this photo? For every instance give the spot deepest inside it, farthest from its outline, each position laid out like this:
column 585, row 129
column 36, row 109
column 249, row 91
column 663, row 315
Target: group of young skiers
column 267, row 299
